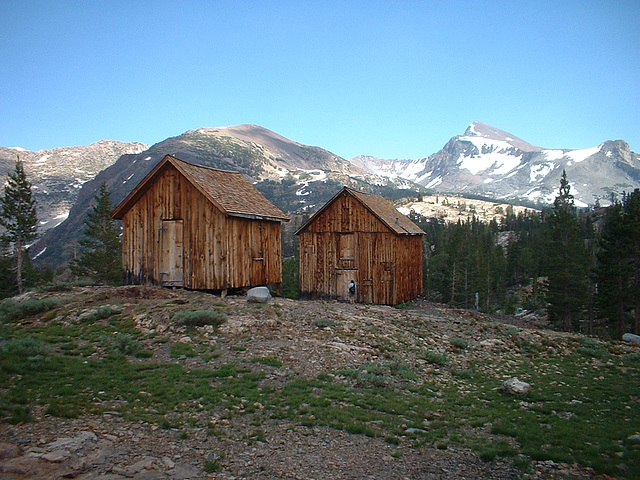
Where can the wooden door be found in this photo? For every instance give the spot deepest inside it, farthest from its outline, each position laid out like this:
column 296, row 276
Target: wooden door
column 387, row 280
column 171, row 253
column 346, row 265
column 342, row 279
column 258, row 269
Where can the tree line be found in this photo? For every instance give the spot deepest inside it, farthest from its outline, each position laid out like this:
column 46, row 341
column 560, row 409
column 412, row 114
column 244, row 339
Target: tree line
column 580, row 269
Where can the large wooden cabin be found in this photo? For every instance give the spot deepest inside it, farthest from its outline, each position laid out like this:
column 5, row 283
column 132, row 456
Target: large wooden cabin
column 360, row 237
column 196, row 227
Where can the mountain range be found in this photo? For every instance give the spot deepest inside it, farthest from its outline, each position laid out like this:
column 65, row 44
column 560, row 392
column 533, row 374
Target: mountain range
column 482, row 162
column 495, row 164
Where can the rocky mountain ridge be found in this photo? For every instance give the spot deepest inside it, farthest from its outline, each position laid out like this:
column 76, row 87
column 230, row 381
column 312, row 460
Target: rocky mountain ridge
column 57, row 175
column 495, row 164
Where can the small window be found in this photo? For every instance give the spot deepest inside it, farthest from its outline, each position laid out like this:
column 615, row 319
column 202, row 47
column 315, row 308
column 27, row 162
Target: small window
column 347, row 246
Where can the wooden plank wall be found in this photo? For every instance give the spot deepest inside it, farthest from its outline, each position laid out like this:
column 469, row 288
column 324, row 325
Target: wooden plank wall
column 386, row 267
column 220, row 252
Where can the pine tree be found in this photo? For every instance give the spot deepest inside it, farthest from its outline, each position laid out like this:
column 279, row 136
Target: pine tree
column 632, row 218
column 613, row 272
column 101, row 256
column 19, row 219
column 567, row 262
column 618, row 268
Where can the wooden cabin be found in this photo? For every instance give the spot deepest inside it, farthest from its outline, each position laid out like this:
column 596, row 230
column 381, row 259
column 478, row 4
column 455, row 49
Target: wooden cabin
column 196, row 227
column 360, row 237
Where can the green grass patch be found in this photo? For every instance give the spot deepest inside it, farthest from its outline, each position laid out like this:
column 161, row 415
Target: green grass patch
column 178, row 350
column 269, row 361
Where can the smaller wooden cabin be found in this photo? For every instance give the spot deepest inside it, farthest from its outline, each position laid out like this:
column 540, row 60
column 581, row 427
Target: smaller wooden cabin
column 200, row 228
column 360, row 237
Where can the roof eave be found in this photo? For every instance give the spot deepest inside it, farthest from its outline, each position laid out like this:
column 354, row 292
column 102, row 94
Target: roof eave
column 259, row 217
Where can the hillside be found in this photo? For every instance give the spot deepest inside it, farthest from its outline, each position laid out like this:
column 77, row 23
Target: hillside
column 120, row 382
column 452, row 208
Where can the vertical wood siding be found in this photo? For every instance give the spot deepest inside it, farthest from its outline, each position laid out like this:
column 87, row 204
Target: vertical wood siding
column 386, row 267
column 219, row 252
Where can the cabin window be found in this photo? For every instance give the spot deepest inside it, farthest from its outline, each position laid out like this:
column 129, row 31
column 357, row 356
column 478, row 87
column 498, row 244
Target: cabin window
column 347, row 246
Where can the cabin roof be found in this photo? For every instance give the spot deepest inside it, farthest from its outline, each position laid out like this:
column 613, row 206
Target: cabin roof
column 380, row 207
column 228, row 191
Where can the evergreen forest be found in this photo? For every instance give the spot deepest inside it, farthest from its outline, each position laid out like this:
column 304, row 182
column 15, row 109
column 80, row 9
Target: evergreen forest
column 579, row 269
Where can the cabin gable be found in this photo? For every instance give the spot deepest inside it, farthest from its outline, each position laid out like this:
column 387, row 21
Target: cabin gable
column 174, row 234
column 350, row 240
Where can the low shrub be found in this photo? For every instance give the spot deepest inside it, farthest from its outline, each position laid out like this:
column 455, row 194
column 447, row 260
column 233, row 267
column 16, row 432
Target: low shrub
column 200, row 318
column 12, row 310
column 124, row 344
column 435, row 357
column 101, row 313
column 459, row 343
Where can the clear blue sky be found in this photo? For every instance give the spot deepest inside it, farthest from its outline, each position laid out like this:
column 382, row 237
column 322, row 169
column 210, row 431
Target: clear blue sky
column 394, row 79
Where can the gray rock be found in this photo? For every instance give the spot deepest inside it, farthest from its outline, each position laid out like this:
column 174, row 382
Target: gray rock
column 149, row 475
column 633, row 438
column 630, row 337
column 514, row 386
column 8, row 450
column 259, row 295
column 184, row 471
column 57, row 456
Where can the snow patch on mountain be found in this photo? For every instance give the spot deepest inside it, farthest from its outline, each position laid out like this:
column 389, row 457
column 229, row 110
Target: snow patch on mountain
column 553, row 155
column 538, row 172
column 493, row 163
column 581, row 155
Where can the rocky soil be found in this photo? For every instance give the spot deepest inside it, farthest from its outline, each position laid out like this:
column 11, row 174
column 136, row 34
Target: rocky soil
column 308, row 338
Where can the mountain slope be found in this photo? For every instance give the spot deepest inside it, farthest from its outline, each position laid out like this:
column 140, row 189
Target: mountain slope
column 295, row 177
column 493, row 163
column 57, row 175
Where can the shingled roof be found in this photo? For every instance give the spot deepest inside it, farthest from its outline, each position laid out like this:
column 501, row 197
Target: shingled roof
column 380, row 207
column 228, row 191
